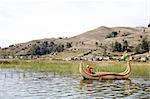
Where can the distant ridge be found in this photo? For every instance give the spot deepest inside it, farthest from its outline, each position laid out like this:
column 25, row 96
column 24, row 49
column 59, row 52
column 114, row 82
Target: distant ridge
column 88, row 39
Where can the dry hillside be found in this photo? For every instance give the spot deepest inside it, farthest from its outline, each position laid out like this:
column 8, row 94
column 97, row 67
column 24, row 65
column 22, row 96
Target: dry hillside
column 94, row 39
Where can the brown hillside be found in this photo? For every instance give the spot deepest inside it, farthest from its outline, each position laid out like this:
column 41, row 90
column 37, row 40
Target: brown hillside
column 124, row 33
column 87, row 40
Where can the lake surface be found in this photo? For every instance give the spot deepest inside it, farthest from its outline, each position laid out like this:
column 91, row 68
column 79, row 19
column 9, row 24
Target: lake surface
column 20, row 84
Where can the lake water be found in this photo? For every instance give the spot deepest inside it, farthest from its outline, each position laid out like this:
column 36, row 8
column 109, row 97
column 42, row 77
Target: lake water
column 20, row 84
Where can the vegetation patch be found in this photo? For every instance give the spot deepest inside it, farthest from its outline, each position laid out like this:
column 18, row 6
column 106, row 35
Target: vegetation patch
column 139, row 69
column 112, row 34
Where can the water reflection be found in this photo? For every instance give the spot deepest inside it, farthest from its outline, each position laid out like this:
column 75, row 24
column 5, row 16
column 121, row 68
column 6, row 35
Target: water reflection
column 105, row 88
column 18, row 84
column 115, row 89
column 88, row 86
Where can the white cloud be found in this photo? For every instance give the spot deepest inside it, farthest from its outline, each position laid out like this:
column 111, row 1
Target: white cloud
column 24, row 20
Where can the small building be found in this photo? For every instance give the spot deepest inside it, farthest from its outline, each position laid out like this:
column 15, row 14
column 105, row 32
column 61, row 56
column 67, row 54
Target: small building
column 143, row 59
column 67, row 59
column 106, row 58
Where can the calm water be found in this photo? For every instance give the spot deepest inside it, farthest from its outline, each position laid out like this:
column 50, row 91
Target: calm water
column 19, row 84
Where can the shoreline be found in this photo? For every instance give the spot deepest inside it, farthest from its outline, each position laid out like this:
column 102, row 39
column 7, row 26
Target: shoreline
column 139, row 69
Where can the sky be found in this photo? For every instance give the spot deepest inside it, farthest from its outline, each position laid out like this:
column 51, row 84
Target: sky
column 26, row 20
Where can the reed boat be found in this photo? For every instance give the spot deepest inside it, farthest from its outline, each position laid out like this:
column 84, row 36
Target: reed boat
column 105, row 75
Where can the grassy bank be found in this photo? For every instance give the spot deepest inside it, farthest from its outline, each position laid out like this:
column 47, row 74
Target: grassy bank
column 139, row 69
column 42, row 65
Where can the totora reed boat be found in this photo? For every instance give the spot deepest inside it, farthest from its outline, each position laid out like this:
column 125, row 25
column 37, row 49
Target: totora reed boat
column 105, row 75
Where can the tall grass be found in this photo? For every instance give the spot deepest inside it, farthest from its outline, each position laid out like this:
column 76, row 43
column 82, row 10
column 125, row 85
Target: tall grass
column 71, row 67
column 108, row 66
column 43, row 66
column 140, row 69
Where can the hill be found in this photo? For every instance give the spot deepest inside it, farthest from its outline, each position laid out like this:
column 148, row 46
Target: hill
column 101, row 40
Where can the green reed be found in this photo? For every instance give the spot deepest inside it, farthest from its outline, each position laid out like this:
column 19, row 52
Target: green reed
column 139, row 69
column 42, row 65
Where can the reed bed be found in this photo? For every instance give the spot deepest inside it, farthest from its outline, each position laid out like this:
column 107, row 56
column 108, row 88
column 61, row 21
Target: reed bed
column 139, row 69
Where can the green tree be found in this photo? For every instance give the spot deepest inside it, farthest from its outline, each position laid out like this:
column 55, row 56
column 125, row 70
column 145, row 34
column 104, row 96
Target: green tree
column 138, row 49
column 51, row 43
column 149, row 25
column 46, row 48
column 112, row 46
column 96, row 43
column 149, row 45
column 112, row 34
column 34, row 50
column 117, row 46
column 68, row 45
column 45, row 44
column 145, row 45
column 125, row 45
column 59, row 48
column 105, row 51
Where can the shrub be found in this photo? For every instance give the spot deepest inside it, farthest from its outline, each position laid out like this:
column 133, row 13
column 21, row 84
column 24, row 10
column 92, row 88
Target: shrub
column 96, row 43
column 125, row 34
column 11, row 45
column 143, row 46
column 120, row 47
column 117, row 46
column 149, row 25
column 68, row 45
column 45, row 48
column 112, row 34
column 125, row 45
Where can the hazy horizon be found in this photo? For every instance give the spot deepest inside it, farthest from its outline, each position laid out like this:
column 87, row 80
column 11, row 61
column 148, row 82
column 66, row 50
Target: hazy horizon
column 26, row 20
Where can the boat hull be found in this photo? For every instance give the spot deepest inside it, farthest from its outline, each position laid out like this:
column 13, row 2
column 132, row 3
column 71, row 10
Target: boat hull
column 106, row 75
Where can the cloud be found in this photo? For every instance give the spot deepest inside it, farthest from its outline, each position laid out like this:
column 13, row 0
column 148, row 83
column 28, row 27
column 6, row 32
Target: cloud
column 24, row 20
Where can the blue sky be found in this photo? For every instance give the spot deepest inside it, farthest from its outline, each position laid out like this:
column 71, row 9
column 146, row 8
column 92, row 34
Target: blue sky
column 25, row 20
